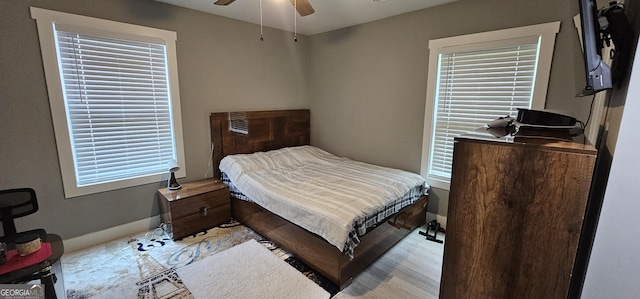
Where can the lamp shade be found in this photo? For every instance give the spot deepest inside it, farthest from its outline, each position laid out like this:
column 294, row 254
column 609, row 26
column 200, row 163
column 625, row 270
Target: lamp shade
column 173, row 165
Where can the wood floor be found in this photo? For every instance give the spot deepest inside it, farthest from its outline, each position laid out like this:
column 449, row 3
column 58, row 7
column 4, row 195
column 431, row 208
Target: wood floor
column 411, row 269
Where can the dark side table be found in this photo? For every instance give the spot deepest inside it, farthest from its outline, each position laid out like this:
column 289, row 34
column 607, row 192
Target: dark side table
column 42, row 269
column 196, row 207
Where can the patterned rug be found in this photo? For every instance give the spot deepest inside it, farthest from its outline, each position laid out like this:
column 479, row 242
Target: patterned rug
column 143, row 265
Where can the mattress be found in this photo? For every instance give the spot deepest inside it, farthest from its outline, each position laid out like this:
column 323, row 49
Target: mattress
column 334, row 197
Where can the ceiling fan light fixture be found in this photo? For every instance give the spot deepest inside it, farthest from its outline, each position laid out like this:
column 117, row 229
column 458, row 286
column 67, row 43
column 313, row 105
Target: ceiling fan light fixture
column 302, row 7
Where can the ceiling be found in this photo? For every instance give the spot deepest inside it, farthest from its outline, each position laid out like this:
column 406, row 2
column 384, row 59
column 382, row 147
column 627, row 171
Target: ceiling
column 329, row 14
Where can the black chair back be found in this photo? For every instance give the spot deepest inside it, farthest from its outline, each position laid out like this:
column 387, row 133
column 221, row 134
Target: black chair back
column 16, row 203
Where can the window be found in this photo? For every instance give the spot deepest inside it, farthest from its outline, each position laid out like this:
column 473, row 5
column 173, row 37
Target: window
column 476, row 78
column 114, row 100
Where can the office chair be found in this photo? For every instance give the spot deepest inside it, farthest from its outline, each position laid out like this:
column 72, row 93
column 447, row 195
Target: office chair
column 16, row 203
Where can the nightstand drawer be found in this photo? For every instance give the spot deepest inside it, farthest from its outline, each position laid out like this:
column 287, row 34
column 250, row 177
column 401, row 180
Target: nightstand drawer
column 197, row 222
column 197, row 204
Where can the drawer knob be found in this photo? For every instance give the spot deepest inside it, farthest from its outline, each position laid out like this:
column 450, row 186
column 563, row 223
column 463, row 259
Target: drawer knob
column 203, row 211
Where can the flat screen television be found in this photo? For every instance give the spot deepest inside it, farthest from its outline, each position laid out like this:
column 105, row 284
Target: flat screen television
column 598, row 73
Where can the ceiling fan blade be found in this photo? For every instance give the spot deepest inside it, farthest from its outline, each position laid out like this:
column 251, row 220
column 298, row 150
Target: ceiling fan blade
column 303, row 7
column 223, row 2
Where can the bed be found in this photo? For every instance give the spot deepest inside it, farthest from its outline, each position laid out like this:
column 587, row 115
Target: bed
column 236, row 133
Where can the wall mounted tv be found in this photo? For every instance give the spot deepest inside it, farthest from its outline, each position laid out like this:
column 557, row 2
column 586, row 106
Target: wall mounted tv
column 598, row 73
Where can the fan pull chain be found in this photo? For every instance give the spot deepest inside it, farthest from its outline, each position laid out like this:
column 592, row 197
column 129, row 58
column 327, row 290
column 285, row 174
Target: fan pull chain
column 295, row 21
column 261, row 38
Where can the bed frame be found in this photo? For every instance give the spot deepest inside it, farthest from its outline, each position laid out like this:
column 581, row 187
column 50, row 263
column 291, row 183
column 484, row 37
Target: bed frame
column 267, row 130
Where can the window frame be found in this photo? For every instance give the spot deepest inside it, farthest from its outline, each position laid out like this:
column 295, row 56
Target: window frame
column 46, row 21
column 545, row 32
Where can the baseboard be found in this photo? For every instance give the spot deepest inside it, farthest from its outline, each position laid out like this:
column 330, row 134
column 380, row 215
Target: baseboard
column 99, row 237
column 441, row 219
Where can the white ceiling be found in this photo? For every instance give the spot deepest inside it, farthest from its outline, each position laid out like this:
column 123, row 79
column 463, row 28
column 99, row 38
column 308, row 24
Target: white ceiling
column 329, row 14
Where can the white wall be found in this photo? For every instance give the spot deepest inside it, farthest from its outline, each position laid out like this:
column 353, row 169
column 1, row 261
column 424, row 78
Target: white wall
column 614, row 266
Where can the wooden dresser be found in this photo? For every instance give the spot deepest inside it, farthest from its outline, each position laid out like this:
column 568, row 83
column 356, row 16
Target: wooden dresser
column 515, row 214
column 196, row 207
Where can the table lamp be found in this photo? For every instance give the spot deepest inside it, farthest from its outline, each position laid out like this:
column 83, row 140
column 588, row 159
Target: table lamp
column 173, row 167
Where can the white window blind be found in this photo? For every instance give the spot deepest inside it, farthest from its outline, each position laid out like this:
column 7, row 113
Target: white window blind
column 114, row 98
column 118, row 106
column 476, row 78
column 238, row 123
column 475, row 87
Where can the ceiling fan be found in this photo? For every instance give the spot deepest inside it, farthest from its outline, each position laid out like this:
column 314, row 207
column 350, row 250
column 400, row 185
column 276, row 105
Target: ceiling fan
column 303, row 7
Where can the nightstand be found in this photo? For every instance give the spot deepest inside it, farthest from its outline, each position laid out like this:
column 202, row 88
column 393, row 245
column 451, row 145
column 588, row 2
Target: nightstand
column 196, row 207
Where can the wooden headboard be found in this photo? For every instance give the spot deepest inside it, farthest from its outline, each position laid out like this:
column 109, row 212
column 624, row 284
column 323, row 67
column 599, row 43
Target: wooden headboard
column 244, row 132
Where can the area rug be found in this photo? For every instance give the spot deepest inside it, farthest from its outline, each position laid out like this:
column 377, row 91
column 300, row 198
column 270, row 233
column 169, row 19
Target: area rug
column 248, row 270
column 144, row 265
